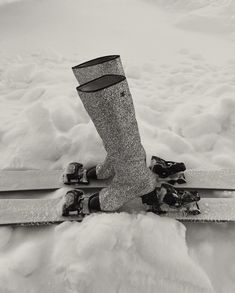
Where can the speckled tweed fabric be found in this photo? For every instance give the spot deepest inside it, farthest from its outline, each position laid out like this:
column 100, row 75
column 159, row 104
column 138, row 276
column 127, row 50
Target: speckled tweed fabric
column 98, row 67
column 112, row 111
column 88, row 71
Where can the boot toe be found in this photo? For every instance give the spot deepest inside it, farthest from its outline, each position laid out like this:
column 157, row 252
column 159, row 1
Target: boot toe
column 91, row 173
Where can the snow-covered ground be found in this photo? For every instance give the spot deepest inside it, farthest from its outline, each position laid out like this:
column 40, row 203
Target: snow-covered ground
column 179, row 59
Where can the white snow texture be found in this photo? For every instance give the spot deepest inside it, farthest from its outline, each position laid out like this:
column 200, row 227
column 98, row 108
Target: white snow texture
column 178, row 56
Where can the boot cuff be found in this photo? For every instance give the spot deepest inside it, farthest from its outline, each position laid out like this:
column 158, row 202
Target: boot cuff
column 101, row 83
column 96, row 61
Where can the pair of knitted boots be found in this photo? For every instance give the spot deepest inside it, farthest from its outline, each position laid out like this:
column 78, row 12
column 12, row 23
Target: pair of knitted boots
column 106, row 97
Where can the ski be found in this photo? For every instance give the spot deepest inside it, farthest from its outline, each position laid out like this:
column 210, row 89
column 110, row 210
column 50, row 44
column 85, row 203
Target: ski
column 30, row 180
column 36, row 212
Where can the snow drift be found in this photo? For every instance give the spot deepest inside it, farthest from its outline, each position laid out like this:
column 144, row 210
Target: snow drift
column 179, row 61
column 105, row 253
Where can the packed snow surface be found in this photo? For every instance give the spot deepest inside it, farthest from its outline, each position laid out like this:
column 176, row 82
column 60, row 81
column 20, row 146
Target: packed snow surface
column 179, row 61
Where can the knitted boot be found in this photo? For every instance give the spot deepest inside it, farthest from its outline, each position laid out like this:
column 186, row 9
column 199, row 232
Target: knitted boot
column 109, row 104
column 86, row 72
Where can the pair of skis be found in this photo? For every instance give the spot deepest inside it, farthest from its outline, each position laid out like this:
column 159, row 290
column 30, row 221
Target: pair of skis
column 43, row 211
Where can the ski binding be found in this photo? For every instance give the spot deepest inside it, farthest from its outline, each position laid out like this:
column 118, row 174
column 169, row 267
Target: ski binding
column 168, row 198
column 170, row 171
column 185, row 201
column 75, row 173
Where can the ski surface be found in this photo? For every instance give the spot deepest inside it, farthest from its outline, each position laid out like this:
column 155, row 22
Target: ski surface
column 223, row 179
column 36, row 212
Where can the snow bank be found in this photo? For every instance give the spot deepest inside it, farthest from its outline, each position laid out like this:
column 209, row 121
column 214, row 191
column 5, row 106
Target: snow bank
column 212, row 19
column 105, row 253
column 21, row 259
column 216, row 17
column 212, row 246
column 185, row 112
column 126, row 253
column 5, row 236
column 183, row 89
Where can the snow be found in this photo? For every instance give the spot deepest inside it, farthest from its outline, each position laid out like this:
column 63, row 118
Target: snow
column 128, row 250
column 25, row 259
column 5, row 234
column 179, row 61
column 211, row 19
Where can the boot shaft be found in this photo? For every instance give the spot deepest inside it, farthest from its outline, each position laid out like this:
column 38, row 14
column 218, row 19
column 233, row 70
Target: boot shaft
column 109, row 103
column 93, row 69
